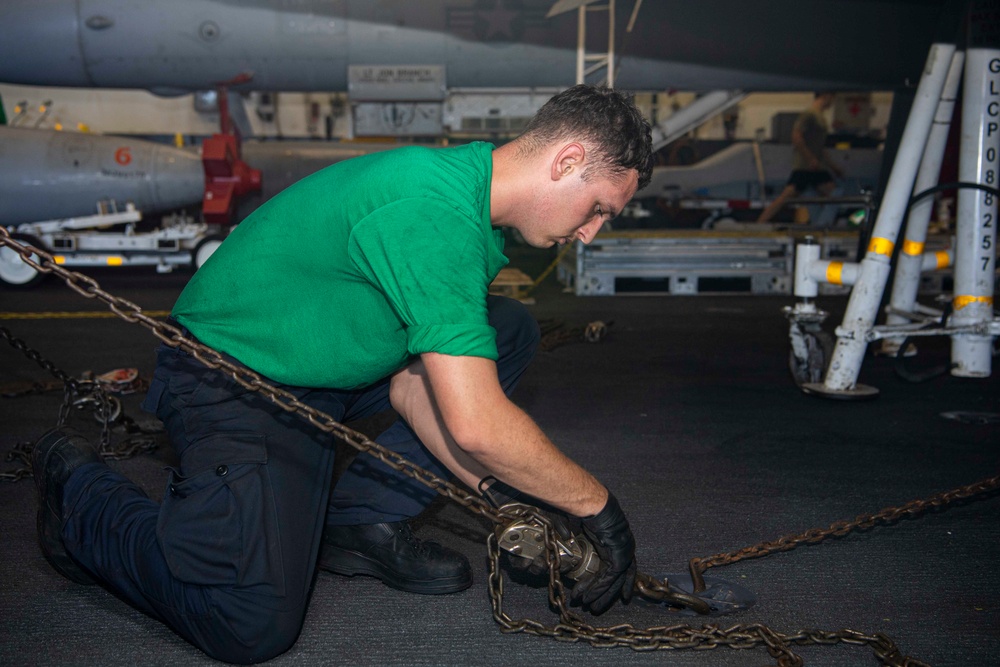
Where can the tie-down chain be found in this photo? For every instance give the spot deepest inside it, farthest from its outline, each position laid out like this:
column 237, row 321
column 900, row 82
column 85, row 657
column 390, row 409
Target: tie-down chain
column 571, row 626
column 89, row 395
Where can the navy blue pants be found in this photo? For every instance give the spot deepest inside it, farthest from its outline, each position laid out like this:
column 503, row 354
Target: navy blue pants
column 227, row 560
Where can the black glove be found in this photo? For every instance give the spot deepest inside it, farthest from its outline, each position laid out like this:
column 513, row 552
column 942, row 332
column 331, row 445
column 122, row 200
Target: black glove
column 612, row 538
column 499, row 494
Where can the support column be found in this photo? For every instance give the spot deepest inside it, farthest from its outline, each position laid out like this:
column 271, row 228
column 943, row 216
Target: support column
column 605, row 59
column 906, row 282
column 862, row 307
column 975, row 247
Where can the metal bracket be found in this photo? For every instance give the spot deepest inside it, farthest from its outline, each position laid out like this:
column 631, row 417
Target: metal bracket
column 721, row 596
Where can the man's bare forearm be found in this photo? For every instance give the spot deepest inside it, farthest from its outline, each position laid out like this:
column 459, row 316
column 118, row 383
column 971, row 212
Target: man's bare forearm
column 459, row 411
column 411, row 397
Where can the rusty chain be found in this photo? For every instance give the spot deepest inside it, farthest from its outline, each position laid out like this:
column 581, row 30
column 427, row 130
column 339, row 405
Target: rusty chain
column 571, row 626
column 28, row 388
column 555, row 333
column 64, row 378
column 886, row 516
column 81, row 395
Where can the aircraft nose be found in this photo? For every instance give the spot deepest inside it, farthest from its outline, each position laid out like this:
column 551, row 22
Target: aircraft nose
column 40, row 44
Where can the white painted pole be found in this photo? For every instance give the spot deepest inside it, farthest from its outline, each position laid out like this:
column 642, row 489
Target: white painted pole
column 975, row 245
column 862, row 307
column 611, row 43
column 833, row 272
column 906, row 281
column 806, row 254
column 694, row 114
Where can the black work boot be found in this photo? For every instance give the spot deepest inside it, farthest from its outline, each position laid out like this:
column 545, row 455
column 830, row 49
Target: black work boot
column 392, row 553
column 56, row 455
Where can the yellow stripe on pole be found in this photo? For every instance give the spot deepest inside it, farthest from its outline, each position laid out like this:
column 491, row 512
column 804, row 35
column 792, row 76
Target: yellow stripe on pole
column 835, row 273
column 115, row 261
column 961, row 302
column 881, row 246
column 913, row 248
column 943, row 261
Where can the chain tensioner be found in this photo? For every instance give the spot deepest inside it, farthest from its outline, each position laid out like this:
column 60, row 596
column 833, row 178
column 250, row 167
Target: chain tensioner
column 84, row 395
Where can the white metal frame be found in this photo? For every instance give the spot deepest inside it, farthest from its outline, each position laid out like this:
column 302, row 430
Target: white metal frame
column 110, row 239
column 598, row 59
column 972, row 325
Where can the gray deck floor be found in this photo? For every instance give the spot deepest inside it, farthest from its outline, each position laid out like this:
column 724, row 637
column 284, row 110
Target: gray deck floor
column 686, row 411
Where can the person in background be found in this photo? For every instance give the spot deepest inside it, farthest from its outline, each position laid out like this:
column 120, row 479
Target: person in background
column 811, row 166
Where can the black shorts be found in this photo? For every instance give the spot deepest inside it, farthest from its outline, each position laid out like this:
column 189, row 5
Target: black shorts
column 802, row 179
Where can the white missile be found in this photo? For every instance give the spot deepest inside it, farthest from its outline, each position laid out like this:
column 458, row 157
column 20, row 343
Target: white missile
column 48, row 175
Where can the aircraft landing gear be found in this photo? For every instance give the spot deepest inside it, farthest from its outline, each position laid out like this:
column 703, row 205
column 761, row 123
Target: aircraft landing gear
column 14, row 271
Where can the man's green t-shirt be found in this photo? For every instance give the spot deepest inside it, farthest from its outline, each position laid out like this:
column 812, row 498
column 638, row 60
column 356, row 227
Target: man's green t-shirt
column 342, row 278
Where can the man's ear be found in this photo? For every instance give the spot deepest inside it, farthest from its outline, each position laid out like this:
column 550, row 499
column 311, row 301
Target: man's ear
column 568, row 158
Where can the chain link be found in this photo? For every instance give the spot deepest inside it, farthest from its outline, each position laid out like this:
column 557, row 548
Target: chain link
column 571, row 627
column 887, row 516
column 21, row 452
column 64, row 378
column 18, row 389
column 79, row 395
column 555, row 333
